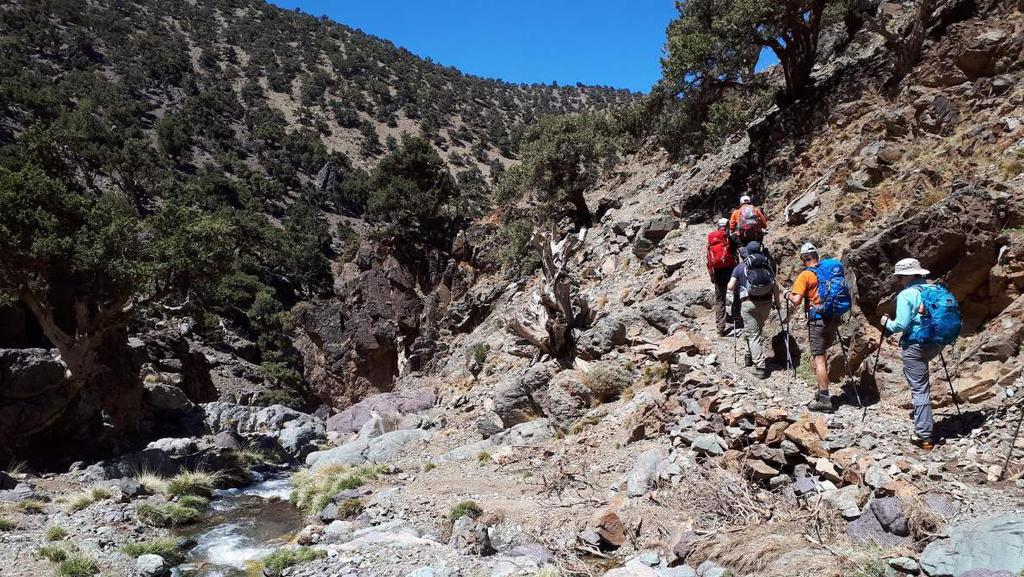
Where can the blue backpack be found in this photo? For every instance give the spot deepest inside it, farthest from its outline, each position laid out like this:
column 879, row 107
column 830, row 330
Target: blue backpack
column 940, row 321
column 833, row 291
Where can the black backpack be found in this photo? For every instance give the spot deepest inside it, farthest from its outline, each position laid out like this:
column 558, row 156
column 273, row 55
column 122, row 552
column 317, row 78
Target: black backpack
column 759, row 275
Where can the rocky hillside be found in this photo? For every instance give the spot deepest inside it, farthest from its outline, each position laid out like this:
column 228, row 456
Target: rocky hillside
column 644, row 448
column 252, row 132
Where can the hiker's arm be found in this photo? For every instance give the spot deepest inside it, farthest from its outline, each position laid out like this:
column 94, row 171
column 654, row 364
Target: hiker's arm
column 762, row 218
column 732, row 284
column 904, row 313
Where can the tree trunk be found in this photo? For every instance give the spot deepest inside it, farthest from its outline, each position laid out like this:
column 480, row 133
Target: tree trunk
column 553, row 313
column 101, row 393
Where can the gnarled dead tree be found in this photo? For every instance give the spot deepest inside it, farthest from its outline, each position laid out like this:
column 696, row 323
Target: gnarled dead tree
column 555, row 312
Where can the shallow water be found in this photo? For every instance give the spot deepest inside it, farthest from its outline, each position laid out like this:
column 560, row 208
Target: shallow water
column 244, row 526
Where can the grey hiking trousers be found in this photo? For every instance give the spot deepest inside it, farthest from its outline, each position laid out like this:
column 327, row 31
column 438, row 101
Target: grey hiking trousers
column 915, row 369
column 755, row 314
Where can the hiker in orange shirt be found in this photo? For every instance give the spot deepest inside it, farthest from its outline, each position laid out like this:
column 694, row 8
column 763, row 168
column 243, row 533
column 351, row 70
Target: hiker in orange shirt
column 747, row 222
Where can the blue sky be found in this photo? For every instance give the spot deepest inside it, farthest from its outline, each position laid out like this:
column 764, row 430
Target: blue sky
column 606, row 42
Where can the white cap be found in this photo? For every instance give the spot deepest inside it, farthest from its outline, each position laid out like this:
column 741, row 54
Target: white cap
column 723, row 222
column 744, row 199
column 808, row 248
column 910, row 267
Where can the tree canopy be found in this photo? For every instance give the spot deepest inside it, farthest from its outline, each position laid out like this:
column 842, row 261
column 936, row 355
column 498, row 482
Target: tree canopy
column 716, row 43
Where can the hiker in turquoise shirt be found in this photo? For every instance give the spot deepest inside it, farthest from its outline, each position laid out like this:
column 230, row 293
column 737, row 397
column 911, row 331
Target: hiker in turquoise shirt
column 908, row 303
column 916, row 356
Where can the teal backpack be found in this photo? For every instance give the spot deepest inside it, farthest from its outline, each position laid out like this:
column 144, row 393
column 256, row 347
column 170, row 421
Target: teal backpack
column 940, row 321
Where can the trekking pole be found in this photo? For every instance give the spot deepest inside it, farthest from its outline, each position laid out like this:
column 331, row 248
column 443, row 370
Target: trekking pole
column 951, row 389
column 878, row 353
column 846, row 368
column 1013, row 443
column 785, row 335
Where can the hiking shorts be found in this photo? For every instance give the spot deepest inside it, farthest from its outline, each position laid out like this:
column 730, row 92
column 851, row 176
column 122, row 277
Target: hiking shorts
column 822, row 335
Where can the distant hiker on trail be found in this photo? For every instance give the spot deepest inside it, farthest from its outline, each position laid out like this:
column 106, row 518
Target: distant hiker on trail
column 753, row 282
column 823, row 290
column 720, row 264
column 747, row 222
column 929, row 318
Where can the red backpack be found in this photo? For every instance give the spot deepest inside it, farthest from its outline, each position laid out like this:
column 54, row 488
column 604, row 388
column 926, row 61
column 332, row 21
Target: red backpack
column 749, row 225
column 719, row 251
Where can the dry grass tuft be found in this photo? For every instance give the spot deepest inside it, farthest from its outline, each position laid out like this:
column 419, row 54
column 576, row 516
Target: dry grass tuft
column 751, row 549
column 152, row 483
column 924, row 523
column 721, row 498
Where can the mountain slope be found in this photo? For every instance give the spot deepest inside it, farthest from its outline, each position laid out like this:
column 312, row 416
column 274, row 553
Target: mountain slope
column 207, row 165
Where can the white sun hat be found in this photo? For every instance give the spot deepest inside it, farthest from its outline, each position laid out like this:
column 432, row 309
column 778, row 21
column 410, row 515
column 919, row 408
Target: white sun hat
column 744, row 199
column 910, row 267
column 723, row 222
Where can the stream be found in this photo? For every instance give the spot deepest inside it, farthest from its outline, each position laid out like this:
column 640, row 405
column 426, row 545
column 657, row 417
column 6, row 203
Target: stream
column 243, row 526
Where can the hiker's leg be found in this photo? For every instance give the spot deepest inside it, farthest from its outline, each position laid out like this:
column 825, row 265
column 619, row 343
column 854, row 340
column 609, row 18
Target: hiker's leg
column 818, row 335
column 915, row 369
column 754, row 316
column 720, row 290
column 751, row 328
column 761, row 312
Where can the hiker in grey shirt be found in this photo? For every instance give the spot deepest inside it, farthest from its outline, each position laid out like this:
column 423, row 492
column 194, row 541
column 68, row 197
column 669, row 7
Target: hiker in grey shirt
column 753, row 283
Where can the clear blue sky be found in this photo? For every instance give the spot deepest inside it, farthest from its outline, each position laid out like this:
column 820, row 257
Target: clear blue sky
column 606, row 42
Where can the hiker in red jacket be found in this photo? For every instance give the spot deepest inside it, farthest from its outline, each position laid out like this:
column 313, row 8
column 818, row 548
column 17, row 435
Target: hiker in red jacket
column 720, row 265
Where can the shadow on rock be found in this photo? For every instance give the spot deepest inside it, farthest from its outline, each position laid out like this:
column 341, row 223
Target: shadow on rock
column 958, row 425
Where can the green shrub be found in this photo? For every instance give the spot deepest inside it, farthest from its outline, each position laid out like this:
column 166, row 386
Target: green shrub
column 54, row 553
column 516, row 253
column 200, row 483
column 6, row 524
column 281, row 559
column 166, row 514
column 193, row 502
column 314, row 490
column 54, row 533
column 483, row 458
column 166, row 547
column 77, row 565
column 465, row 509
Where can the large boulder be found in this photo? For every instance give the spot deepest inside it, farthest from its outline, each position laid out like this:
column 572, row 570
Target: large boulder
column 376, row 450
column 391, row 405
column 602, row 338
column 994, row 543
column 955, row 238
column 515, row 398
column 297, row 433
column 148, row 460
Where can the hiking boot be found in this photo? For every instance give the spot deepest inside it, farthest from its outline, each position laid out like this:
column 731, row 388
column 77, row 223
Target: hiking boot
column 748, row 361
column 761, row 373
column 923, row 443
column 821, row 404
